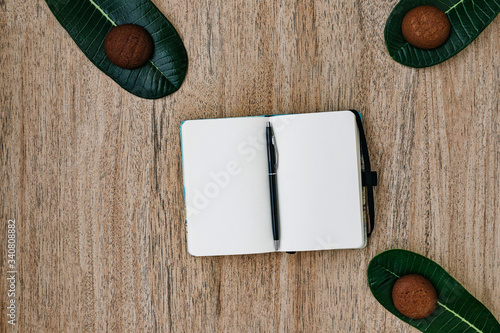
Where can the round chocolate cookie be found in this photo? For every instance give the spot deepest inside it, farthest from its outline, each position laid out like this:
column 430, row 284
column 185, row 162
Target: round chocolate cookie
column 128, row 46
column 426, row 27
column 414, row 296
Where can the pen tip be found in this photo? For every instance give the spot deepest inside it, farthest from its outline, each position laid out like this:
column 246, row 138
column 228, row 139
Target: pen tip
column 276, row 244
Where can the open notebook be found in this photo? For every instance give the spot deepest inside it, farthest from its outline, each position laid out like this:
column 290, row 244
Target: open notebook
column 226, row 184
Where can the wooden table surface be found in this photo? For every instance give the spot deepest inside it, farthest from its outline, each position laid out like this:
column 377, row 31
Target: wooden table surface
column 92, row 174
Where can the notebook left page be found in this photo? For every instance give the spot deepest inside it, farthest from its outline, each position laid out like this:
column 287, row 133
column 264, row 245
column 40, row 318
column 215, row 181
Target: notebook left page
column 226, row 186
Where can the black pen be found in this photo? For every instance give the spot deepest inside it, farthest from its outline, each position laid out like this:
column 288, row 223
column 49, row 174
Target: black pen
column 273, row 166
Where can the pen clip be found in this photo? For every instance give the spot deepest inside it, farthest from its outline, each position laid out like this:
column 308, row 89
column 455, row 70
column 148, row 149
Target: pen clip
column 276, row 155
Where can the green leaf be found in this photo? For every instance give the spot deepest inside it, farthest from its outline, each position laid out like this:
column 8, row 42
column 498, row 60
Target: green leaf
column 89, row 21
column 457, row 310
column 468, row 18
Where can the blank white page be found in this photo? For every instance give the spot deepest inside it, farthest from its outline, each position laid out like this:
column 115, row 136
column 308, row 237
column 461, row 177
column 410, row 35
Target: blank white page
column 226, row 186
column 319, row 181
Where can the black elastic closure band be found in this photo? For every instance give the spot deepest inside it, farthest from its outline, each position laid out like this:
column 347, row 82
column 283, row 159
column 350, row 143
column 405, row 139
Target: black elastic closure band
column 369, row 177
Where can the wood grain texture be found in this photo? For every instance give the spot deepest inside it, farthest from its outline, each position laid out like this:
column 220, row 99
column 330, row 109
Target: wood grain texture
column 92, row 174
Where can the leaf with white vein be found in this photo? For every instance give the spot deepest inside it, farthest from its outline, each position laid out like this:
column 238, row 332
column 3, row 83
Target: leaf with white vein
column 468, row 18
column 457, row 310
column 89, row 21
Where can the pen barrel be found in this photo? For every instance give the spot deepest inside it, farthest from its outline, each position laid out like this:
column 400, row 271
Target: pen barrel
column 274, row 205
column 273, row 187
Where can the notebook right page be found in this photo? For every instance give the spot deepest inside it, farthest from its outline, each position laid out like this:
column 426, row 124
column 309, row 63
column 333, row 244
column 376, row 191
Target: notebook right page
column 319, row 181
